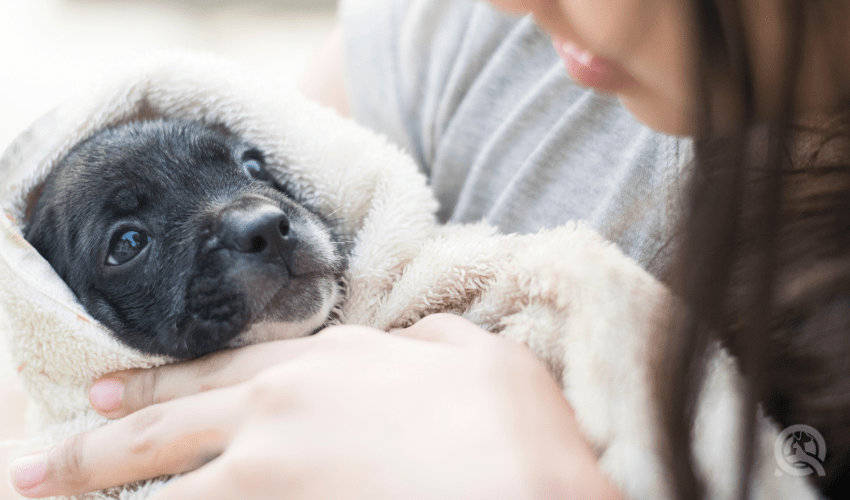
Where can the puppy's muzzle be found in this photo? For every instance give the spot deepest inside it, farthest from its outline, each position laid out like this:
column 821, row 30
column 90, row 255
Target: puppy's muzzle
column 257, row 227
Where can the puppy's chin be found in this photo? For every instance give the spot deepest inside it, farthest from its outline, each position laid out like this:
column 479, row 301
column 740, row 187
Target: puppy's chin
column 266, row 331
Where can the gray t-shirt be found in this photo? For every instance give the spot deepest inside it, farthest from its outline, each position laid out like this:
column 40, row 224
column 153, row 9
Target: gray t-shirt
column 484, row 104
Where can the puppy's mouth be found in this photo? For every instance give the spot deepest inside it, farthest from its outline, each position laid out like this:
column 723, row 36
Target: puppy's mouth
column 223, row 314
column 293, row 300
column 316, row 292
column 238, row 298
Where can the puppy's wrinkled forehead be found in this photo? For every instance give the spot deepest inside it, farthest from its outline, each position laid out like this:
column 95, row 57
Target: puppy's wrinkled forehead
column 125, row 168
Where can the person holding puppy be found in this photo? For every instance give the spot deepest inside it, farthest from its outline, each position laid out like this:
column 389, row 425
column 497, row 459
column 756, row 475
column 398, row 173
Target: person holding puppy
column 760, row 254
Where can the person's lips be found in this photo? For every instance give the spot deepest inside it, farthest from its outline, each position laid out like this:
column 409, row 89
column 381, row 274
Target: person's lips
column 592, row 71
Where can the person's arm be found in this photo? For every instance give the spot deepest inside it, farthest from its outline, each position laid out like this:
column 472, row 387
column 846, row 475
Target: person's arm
column 440, row 410
column 323, row 79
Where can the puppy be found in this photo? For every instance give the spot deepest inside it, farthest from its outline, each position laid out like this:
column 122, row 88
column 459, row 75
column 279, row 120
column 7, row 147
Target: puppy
column 176, row 237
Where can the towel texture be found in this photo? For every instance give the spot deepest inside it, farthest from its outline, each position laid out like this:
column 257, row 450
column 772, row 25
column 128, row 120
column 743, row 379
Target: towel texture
column 583, row 308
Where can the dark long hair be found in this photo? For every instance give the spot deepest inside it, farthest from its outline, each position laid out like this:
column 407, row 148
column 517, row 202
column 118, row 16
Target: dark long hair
column 763, row 260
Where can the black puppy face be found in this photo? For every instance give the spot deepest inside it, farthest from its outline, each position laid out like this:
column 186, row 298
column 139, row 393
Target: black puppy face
column 176, row 237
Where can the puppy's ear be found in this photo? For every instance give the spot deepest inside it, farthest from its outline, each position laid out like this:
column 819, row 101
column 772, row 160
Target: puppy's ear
column 42, row 231
column 32, row 202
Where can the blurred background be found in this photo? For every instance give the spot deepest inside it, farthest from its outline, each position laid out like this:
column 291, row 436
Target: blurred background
column 53, row 49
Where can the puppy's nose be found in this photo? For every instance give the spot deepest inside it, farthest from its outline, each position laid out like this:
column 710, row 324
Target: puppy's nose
column 261, row 229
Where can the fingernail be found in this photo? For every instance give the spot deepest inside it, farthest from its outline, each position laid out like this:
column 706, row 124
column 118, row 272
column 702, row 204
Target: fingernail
column 106, row 394
column 28, row 472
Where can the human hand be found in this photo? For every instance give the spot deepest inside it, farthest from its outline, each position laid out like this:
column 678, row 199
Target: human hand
column 440, row 410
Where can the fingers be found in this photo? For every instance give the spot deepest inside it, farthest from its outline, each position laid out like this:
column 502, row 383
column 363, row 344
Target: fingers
column 445, row 328
column 175, row 437
column 122, row 393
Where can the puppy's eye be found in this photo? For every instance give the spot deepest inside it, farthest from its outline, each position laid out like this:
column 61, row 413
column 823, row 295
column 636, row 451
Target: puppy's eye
column 125, row 246
column 255, row 169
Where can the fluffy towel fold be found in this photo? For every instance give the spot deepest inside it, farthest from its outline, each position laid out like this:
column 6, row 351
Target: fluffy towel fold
column 585, row 309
